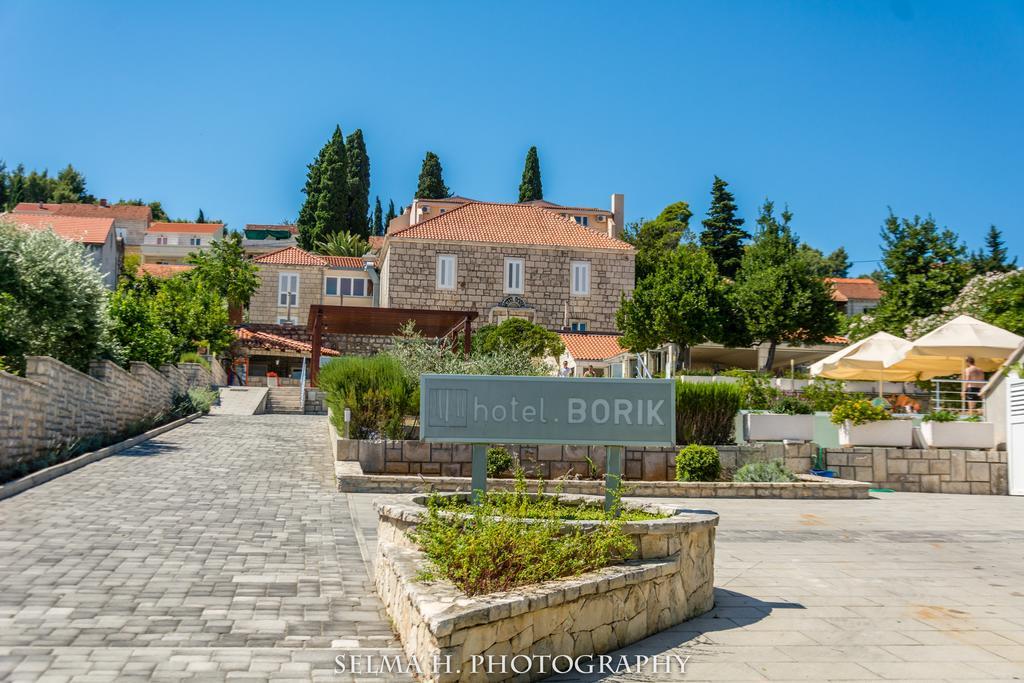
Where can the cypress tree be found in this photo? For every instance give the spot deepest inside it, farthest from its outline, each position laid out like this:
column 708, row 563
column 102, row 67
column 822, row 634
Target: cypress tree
column 378, row 218
column 358, row 171
column 391, row 214
column 306, row 222
column 723, row 232
column 332, row 195
column 530, row 188
column 431, row 183
column 201, row 218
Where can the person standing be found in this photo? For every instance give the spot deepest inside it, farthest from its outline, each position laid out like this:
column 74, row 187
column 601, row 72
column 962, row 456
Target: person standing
column 565, row 370
column 973, row 380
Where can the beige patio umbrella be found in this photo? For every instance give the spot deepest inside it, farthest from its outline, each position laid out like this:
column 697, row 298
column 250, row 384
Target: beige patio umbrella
column 865, row 360
column 943, row 351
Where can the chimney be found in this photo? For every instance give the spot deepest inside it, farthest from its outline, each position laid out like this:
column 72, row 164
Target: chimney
column 617, row 226
column 103, row 202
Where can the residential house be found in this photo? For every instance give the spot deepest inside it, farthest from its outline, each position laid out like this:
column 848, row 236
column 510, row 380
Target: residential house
column 509, row 260
column 97, row 235
column 600, row 353
column 130, row 222
column 855, row 295
column 291, row 280
column 170, row 243
column 262, row 239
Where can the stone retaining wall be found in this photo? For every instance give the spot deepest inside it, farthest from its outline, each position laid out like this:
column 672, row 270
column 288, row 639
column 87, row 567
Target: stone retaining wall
column 54, row 405
column 925, row 470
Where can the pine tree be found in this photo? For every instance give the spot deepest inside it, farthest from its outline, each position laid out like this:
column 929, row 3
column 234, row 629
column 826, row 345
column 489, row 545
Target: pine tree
column 723, row 232
column 358, row 170
column 38, row 187
column 431, row 183
column 656, row 239
column 992, row 259
column 378, row 218
column 332, row 195
column 69, row 187
column 530, row 188
column 838, row 263
column 16, row 186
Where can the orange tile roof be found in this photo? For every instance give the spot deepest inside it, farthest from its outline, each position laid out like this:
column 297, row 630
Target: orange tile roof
column 846, row 288
column 509, row 224
column 592, row 346
column 258, row 226
column 122, row 211
column 344, row 261
column 376, row 242
column 545, row 204
column 186, row 227
column 164, row 270
column 266, row 340
column 291, row 256
column 74, row 228
column 836, row 340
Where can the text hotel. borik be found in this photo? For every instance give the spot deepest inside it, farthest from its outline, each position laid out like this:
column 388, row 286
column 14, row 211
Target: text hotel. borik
column 617, row 411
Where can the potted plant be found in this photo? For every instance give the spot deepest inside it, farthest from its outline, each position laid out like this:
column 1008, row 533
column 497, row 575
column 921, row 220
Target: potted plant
column 271, row 379
column 945, row 429
column 863, row 424
column 787, row 419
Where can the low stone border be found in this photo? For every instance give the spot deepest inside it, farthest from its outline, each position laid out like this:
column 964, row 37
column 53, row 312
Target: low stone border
column 585, row 615
column 15, row 487
column 352, row 479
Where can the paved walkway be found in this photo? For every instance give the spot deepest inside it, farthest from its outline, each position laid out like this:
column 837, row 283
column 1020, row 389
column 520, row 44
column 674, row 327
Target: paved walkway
column 220, row 549
column 239, row 401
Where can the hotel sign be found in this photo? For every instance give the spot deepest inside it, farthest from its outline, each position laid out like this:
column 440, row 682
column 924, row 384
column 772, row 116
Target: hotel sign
column 555, row 410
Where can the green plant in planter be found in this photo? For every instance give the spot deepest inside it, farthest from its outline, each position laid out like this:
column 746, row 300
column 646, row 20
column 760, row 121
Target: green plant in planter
column 792, row 405
column 859, row 412
column 499, row 460
column 824, row 395
column 764, row 471
column 972, row 418
column 698, row 463
column 758, row 394
column 706, row 412
column 940, row 416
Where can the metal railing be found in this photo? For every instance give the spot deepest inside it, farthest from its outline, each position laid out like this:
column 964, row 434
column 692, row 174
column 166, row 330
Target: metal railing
column 302, row 387
column 962, row 397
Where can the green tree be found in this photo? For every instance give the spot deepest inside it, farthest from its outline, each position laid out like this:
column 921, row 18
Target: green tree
column 655, row 239
column 992, row 259
column 194, row 313
column 69, row 187
column 839, row 263
column 357, row 164
column 519, row 334
column 137, row 328
column 226, row 269
column 52, row 300
column 38, row 187
column 530, row 188
column 16, row 182
column 996, row 298
column 390, row 215
column 332, row 197
column 723, row 232
column 683, row 302
column 431, row 183
column 779, row 290
column 201, row 217
column 343, row 244
column 309, row 228
column 4, row 193
column 377, row 227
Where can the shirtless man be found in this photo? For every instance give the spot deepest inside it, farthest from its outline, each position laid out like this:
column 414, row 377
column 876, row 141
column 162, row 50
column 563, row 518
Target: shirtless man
column 973, row 379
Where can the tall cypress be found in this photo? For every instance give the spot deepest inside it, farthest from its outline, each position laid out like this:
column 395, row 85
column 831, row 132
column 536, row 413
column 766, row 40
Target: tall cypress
column 390, row 215
column 332, row 196
column 358, row 170
column 201, row 218
column 431, row 183
column 306, row 222
column 530, row 187
column 378, row 218
column 723, row 232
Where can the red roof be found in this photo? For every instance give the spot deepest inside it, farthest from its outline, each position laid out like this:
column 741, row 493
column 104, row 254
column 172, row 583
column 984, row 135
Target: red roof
column 344, row 261
column 116, row 211
column 509, row 224
column 846, row 288
column 592, row 346
column 266, row 340
column 291, row 256
column 186, row 227
column 164, row 270
column 76, row 229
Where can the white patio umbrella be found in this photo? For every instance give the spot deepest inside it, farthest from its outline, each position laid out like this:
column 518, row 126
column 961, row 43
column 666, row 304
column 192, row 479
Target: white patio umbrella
column 943, row 351
column 865, row 360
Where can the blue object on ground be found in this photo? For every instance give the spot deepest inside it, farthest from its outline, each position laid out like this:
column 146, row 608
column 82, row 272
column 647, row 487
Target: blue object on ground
column 824, row 473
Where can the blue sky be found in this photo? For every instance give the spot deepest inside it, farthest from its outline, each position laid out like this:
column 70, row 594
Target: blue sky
column 839, row 109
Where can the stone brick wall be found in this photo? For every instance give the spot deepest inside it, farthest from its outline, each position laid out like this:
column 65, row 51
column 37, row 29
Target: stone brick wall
column 553, row 461
column 55, row 405
column 263, row 306
column 924, row 470
column 410, row 272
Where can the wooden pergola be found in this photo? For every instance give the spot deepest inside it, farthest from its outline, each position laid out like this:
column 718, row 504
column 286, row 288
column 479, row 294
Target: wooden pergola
column 383, row 322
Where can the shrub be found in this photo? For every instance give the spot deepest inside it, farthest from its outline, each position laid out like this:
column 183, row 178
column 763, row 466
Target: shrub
column 764, row 471
column 698, row 463
column 792, row 405
column 940, row 416
column 376, row 391
column 518, row 333
column 195, row 400
column 416, row 354
column 758, row 394
column 858, row 412
column 824, row 395
column 193, row 357
column 706, row 413
column 499, row 460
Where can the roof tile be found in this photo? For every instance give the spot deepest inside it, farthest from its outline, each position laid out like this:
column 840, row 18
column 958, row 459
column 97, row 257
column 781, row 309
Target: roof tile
column 116, row 211
column 291, row 256
column 592, row 346
column 846, row 288
column 186, row 227
column 74, row 228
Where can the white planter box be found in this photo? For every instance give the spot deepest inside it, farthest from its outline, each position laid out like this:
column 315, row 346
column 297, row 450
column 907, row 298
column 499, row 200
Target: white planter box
column 882, row 433
column 272, row 381
column 770, row 427
column 959, row 434
column 786, row 384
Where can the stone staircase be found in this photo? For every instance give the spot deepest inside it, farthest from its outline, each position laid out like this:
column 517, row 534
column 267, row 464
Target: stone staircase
column 285, row 400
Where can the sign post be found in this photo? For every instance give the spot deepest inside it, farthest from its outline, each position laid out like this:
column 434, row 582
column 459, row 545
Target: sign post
column 610, row 412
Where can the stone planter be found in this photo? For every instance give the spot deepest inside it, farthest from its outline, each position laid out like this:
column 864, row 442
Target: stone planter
column 670, row 581
column 959, row 434
column 893, row 433
column 774, row 427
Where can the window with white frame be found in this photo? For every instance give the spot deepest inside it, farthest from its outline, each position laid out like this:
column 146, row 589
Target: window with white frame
column 288, row 289
column 194, row 241
column 446, row 271
column 513, row 276
column 346, row 286
column 582, row 220
column 580, row 278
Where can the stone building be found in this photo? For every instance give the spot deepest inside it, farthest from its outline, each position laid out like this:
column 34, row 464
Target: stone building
column 509, row 260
